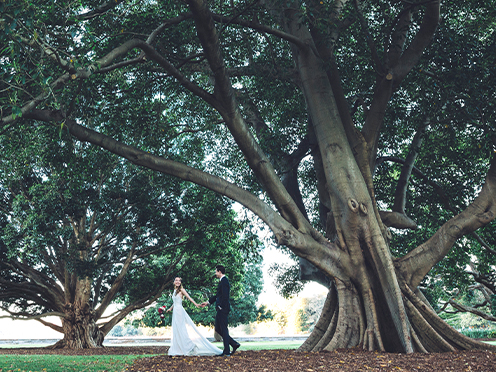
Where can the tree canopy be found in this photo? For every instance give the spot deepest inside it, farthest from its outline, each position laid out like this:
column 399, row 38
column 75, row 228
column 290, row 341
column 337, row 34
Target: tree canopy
column 360, row 132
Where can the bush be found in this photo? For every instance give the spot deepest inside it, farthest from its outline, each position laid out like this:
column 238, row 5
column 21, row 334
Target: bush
column 479, row 332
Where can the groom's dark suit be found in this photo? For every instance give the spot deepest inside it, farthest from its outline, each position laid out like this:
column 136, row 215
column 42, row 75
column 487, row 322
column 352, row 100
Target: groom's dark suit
column 223, row 306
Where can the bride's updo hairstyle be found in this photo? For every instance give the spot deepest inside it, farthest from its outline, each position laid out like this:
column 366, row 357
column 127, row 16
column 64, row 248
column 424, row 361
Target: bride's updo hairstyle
column 178, row 289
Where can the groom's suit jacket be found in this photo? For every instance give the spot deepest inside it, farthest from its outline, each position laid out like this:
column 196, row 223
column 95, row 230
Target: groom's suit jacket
column 221, row 299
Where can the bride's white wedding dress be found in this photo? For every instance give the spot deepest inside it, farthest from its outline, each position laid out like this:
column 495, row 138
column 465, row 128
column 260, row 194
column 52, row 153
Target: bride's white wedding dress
column 186, row 339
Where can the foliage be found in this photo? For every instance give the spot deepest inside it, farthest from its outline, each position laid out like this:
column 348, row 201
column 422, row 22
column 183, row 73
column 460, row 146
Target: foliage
column 126, row 331
column 479, row 332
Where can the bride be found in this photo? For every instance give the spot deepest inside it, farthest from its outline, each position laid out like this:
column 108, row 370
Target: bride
column 186, row 339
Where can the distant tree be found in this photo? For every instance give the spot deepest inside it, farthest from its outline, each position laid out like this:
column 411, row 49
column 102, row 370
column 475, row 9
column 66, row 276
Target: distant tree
column 476, row 299
column 281, row 319
column 264, row 314
column 117, row 331
column 302, row 321
column 81, row 229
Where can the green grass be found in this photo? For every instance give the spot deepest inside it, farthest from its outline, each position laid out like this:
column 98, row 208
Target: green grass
column 96, row 363
column 270, row 345
column 55, row 363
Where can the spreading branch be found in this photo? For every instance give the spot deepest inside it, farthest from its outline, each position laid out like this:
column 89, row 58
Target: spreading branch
column 416, row 264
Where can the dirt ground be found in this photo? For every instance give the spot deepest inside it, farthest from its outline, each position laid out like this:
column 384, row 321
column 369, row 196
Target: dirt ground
column 349, row 360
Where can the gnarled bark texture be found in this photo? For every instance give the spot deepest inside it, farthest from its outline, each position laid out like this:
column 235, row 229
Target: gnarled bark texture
column 80, row 329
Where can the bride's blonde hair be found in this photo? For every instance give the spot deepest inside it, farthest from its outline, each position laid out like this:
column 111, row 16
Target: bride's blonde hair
column 178, row 289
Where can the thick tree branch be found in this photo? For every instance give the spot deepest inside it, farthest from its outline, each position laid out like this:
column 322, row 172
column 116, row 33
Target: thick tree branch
column 28, row 316
column 398, row 38
column 398, row 218
column 36, row 283
column 442, row 195
column 423, row 38
column 472, row 309
column 406, row 170
column 400, row 221
column 303, row 244
column 105, row 7
column 116, row 285
column 84, row 73
column 389, row 83
column 376, row 61
column 256, row 159
column 51, row 325
column 150, row 298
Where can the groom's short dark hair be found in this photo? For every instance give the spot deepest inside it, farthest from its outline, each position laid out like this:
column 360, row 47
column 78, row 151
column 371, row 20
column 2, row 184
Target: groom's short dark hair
column 220, row 268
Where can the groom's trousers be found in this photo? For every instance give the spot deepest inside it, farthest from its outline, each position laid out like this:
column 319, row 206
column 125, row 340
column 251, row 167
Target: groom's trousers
column 221, row 328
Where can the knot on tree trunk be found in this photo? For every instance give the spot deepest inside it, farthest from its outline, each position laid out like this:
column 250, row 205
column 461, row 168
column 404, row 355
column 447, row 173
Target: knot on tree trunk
column 353, row 204
column 363, row 208
column 284, row 237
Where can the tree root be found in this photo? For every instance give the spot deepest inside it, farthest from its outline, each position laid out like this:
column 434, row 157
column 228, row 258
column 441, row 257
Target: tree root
column 433, row 332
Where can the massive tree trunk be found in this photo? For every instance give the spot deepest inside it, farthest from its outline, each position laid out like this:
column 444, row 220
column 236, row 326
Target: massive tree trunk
column 80, row 329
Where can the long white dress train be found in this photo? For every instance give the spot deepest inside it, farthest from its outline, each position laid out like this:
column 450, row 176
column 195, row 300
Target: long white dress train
column 186, row 339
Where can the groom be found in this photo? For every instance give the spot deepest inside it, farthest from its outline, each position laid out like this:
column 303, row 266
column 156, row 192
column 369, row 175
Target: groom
column 223, row 306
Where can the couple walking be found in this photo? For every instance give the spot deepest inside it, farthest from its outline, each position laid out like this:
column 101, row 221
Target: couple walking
column 186, row 339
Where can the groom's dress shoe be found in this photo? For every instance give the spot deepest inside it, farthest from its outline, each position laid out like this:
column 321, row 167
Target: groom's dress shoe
column 224, row 355
column 235, row 348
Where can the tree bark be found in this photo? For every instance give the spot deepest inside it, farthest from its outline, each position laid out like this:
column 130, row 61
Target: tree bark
column 80, row 329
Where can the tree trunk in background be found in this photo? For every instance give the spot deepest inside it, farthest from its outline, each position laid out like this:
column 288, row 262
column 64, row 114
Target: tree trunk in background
column 79, row 324
column 80, row 329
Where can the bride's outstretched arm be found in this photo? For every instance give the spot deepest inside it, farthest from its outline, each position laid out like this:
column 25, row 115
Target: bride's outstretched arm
column 188, row 297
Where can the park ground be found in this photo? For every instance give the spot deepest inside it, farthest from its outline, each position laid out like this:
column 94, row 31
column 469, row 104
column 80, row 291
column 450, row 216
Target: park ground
column 155, row 359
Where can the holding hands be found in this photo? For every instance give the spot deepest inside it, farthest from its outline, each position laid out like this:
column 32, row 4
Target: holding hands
column 203, row 304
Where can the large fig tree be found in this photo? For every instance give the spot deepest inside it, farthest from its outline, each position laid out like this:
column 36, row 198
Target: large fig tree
column 87, row 238
column 341, row 124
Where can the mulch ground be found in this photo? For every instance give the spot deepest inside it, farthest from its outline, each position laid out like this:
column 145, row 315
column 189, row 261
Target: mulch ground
column 349, row 360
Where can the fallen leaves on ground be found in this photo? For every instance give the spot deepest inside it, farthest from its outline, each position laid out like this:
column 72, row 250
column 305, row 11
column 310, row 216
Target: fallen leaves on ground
column 351, row 360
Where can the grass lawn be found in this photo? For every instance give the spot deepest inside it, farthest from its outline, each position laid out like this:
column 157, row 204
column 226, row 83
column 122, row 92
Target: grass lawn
column 270, row 345
column 108, row 363
column 55, row 363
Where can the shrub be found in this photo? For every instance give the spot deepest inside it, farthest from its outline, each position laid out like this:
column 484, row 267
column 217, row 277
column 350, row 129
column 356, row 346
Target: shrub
column 479, row 332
